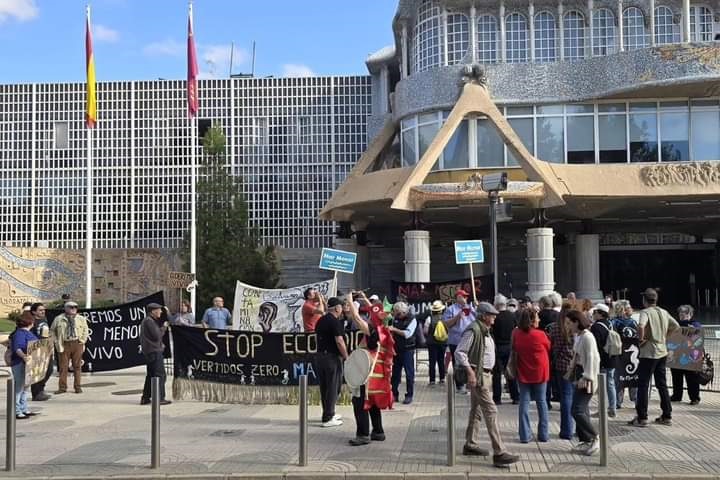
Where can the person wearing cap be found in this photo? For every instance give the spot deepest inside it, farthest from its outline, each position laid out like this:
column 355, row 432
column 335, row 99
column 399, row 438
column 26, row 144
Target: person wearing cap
column 475, row 354
column 600, row 329
column 513, row 305
column 403, row 329
column 502, row 331
column 654, row 325
column 152, row 331
column 458, row 318
column 312, row 309
column 436, row 348
column 70, row 331
column 375, row 300
column 526, row 302
column 331, row 353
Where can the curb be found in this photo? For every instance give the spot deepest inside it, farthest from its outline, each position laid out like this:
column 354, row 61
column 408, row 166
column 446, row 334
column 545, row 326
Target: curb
column 389, row 476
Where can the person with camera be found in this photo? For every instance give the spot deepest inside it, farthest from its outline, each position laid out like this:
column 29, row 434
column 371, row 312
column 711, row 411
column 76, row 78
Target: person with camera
column 152, row 331
column 458, row 317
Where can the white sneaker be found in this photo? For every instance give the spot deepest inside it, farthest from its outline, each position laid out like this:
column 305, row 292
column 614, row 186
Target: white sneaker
column 337, row 416
column 580, row 447
column 593, row 448
column 332, row 423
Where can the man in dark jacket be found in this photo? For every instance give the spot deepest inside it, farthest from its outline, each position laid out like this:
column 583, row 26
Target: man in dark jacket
column 502, row 332
column 601, row 330
column 403, row 330
column 152, row 331
column 41, row 330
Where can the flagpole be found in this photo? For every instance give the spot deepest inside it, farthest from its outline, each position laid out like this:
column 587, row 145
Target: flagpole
column 89, row 228
column 193, row 206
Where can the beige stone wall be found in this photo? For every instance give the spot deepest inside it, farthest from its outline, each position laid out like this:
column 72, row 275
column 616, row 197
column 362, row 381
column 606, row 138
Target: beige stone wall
column 42, row 274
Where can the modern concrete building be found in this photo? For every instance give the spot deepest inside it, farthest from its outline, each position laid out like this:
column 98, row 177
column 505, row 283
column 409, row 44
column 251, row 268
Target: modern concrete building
column 606, row 116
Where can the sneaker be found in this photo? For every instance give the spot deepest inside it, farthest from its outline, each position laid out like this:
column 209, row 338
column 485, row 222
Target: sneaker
column 505, row 459
column 407, row 401
column 475, row 451
column 636, row 422
column 580, row 447
column 60, row 392
column 41, row 397
column 78, row 390
column 664, row 421
column 332, row 423
column 431, row 384
column 337, row 416
column 593, row 447
column 611, row 413
column 21, row 416
column 30, row 414
column 695, row 402
column 357, row 441
column 144, row 401
column 441, row 382
column 165, row 402
column 462, row 390
column 377, row 437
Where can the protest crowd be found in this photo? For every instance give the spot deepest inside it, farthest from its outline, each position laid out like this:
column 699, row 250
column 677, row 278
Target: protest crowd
column 548, row 352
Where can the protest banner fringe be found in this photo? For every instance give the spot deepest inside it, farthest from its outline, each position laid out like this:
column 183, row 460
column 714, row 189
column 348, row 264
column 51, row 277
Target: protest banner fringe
column 187, row 389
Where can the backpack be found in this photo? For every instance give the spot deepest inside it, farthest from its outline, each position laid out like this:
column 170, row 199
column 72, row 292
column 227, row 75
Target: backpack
column 613, row 345
column 707, row 373
column 440, row 334
column 420, row 341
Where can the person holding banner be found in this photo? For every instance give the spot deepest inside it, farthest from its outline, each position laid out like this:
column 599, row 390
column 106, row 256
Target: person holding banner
column 152, row 331
column 18, row 345
column 458, row 317
column 685, row 319
column 41, row 330
column 331, row 352
column 70, row 331
column 626, row 326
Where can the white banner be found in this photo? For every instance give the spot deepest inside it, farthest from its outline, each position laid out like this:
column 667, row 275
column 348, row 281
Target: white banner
column 262, row 310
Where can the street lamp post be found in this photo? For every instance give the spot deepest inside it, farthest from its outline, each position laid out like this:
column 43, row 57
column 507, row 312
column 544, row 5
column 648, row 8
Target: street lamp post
column 493, row 184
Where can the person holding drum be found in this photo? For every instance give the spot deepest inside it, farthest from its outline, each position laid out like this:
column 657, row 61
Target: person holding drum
column 367, row 373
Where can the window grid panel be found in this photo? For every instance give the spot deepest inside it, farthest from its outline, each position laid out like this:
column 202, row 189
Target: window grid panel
column 701, row 24
column 458, row 37
column 545, row 42
column 574, row 29
column 604, row 34
column 634, row 33
column 426, row 37
column 517, row 38
column 487, row 33
column 666, row 31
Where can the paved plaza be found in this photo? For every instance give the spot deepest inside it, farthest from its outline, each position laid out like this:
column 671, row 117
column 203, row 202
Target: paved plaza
column 105, row 432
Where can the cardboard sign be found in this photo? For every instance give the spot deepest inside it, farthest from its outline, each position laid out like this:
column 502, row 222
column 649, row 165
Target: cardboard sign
column 338, row 260
column 469, row 251
column 686, row 349
column 179, row 279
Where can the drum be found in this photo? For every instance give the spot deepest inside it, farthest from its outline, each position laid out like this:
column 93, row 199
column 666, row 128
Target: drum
column 358, row 367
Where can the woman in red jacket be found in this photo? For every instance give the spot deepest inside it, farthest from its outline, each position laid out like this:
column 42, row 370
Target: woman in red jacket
column 532, row 347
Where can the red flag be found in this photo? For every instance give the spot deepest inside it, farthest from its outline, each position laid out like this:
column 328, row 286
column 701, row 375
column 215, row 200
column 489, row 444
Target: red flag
column 192, row 70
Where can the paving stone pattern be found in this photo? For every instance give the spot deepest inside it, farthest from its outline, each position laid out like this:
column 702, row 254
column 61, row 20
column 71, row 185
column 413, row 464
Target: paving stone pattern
column 99, row 434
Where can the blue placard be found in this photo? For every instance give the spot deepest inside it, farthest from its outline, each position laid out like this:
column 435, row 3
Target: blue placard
column 338, row 260
column 469, row 251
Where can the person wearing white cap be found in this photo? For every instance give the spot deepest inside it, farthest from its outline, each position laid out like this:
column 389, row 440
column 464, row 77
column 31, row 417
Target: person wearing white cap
column 374, row 299
column 70, row 331
column 600, row 329
column 436, row 348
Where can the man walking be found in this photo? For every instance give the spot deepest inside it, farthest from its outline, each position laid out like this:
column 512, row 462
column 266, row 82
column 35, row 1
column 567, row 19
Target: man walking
column 502, row 332
column 41, row 330
column 476, row 355
column 331, row 352
column 152, row 331
column 653, row 327
column 70, row 331
column 217, row 317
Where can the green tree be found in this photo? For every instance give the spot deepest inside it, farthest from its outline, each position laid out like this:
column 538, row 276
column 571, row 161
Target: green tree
column 228, row 247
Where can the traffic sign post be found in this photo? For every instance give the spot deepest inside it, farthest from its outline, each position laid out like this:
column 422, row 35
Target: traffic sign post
column 469, row 252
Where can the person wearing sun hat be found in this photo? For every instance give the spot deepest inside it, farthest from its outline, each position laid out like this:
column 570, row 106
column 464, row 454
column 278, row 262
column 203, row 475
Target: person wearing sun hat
column 70, row 331
column 436, row 348
column 457, row 318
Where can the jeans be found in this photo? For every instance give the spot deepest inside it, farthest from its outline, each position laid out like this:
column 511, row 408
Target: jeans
column 692, row 384
column 458, row 385
column 610, row 385
column 363, row 417
column 536, row 392
column 21, row 404
column 502, row 357
column 581, row 413
column 436, row 355
column 155, row 367
column 403, row 361
column 567, row 424
column 652, row 367
column 329, row 373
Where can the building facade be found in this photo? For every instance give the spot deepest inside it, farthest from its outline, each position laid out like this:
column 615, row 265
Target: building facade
column 606, row 116
column 292, row 140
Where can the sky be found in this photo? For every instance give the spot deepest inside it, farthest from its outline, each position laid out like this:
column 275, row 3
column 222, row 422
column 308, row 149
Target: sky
column 43, row 40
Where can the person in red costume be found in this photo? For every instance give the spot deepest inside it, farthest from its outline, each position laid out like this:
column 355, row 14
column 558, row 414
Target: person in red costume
column 376, row 394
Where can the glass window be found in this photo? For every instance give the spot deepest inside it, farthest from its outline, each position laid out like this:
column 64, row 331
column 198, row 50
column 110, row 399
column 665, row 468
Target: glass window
column 705, row 125
column 603, row 32
column 580, row 140
column 545, row 47
column 574, row 30
column 580, row 108
column 634, row 28
column 516, row 45
column 458, row 37
column 551, row 139
column 524, row 128
column 643, row 134
column 409, row 154
column 487, row 39
column 612, row 138
column 455, row 154
column 666, row 31
column 426, row 37
column 426, row 134
column 701, row 24
column 674, row 130
column 62, row 135
column 549, row 109
column 489, row 145
column 513, row 111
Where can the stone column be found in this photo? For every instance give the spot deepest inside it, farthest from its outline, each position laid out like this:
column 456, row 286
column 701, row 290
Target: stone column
column 531, row 19
column 686, row 21
column 591, row 7
column 621, row 26
column 540, row 262
column 652, row 23
column 473, row 34
column 587, row 264
column 346, row 281
column 502, row 33
column 404, row 68
column 561, row 29
column 417, row 256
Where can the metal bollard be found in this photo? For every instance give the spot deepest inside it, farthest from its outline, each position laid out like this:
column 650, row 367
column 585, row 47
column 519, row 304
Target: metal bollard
column 155, row 436
column 10, row 426
column 303, row 407
column 603, row 418
column 450, row 383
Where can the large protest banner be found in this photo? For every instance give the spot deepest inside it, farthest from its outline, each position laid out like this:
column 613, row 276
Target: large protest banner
column 421, row 295
column 686, row 349
column 231, row 366
column 628, row 363
column 40, row 353
column 114, row 341
column 280, row 310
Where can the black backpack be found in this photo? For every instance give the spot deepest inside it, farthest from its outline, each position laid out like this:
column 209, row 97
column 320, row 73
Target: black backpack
column 707, row 373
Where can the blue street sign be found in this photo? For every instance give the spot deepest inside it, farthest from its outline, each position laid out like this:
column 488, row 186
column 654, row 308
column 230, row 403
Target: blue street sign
column 338, row 260
column 469, row 251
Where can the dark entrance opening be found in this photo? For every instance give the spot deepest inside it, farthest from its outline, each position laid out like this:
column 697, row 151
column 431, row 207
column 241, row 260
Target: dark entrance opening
column 669, row 270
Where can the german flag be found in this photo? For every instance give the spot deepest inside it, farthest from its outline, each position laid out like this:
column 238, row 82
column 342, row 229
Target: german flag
column 91, row 110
